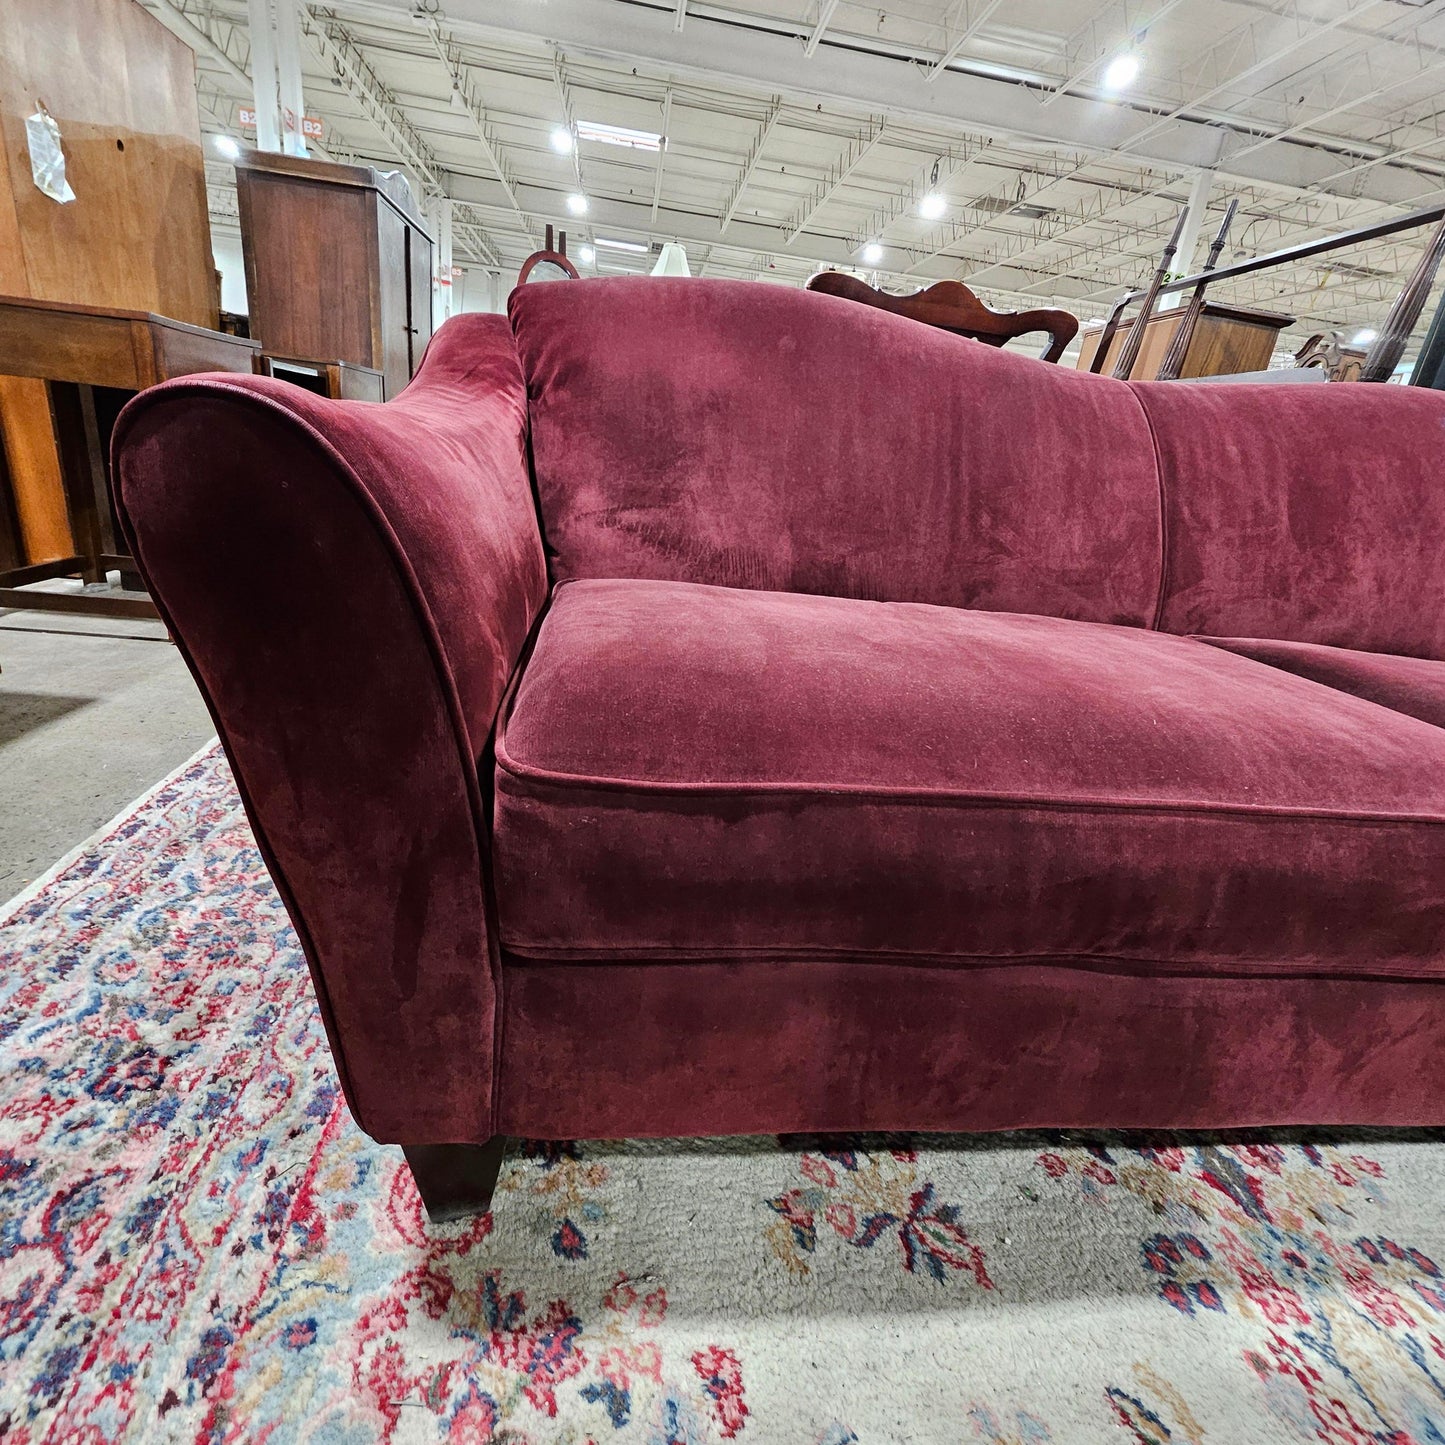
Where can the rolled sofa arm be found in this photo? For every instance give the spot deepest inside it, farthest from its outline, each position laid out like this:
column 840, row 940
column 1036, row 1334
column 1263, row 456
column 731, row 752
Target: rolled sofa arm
column 351, row 585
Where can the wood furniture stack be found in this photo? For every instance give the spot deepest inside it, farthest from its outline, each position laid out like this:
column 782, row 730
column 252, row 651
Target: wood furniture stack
column 1226, row 340
column 338, row 264
column 951, row 306
column 99, row 295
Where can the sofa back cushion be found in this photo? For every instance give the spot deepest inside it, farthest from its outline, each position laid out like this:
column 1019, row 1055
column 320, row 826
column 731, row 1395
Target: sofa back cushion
column 753, row 436
column 1307, row 514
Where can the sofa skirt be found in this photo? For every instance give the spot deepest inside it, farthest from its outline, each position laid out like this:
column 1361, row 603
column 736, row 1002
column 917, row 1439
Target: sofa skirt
column 725, row 1047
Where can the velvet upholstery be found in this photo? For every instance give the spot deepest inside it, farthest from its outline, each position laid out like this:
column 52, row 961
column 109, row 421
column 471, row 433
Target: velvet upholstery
column 713, row 772
column 750, row 436
column 852, row 777
column 803, row 1046
column 1304, row 514
column 351, row 585
column 1411, row 685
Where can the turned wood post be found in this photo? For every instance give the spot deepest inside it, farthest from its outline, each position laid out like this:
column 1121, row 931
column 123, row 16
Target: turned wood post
column 1389, row 346
column 1178, row 352
column 1135, row 339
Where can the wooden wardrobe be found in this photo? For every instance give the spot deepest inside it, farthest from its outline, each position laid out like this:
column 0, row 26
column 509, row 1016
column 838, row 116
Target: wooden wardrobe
column 338, row 263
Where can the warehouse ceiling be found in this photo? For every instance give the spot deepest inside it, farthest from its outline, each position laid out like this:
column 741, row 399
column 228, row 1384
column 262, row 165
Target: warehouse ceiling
column 800, row 133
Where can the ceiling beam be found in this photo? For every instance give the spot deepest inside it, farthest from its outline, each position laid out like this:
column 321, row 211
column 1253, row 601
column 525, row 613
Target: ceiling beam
column 975, row 23
column 825, row 15
column 627, row 218
column 449, row 53
column 341, row 55
column 206, row 45
column 849, row 162
column 775, row 111
column 661, row 151
column 1083, row 68
column 877, row 83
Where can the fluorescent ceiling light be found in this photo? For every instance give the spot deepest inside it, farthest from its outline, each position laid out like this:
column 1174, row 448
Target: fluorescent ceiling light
column 619, row 135
column 932, row 206
column 872, row 253
column 562, row 140
column 1365, row 337
column 607, row 245
column 577, row 204
column 228, row 146
column 1122, row 70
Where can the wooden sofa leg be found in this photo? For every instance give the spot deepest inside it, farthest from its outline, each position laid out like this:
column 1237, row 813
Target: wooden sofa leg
column 455, row 1181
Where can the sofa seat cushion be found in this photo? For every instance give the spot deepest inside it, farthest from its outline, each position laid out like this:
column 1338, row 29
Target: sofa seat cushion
column 699, row 772
column 1413, row 685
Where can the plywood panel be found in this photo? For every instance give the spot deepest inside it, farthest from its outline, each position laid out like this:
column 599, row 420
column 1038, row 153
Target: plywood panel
column 37, row 490
column 122, row 89
column 137, row 236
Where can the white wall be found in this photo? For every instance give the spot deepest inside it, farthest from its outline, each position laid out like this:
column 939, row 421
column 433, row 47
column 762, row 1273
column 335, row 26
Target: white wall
column 226, row 249
column 479, row 291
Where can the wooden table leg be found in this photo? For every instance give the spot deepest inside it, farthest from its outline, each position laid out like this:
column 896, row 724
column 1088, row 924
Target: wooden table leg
column 82, row 469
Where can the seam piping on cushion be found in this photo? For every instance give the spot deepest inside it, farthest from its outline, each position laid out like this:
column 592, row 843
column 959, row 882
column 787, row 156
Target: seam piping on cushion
column 406, row 575
column 545, row 777
column 553, row 956
column 1163, row 511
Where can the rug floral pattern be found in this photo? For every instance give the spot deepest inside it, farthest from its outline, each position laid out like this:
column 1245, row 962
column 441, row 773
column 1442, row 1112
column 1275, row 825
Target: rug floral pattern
column 196, row 1244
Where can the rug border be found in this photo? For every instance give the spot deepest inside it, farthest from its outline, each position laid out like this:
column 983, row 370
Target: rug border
column 11, row 906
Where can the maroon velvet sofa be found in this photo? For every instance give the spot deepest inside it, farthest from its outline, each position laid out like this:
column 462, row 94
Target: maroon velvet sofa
column 701, row 708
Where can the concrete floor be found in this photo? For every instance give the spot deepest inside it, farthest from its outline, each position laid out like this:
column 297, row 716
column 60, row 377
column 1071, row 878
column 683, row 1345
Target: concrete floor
column 93, row 711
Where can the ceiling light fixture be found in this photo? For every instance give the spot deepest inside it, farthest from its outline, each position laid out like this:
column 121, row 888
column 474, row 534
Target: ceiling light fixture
column 932, row 206
column 228, row 146
column 587, row 256
column 1123, row 70
column 619, row 135
column 577, row 204
column 562, row 140
column 608, row 245
column 1365, row 337
column 872, row 253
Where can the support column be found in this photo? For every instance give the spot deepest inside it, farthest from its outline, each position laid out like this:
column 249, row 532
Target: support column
column 444, row 300
column 288, row 68
column 263, row 76
column 1185, row 259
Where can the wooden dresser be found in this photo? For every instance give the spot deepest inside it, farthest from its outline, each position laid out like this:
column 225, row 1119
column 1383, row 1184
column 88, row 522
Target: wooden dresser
column 1228, row 339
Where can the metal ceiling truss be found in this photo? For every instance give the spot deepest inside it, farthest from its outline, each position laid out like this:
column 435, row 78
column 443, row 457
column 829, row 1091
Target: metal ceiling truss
column 339, row 53
column 954, row 45
column 936, row 173
column 469, row 99
column 765, row 131
column 1104, row 35
column 1246, row 34
column 1082, row 250
column 661, row 151
column 757, row 52
column 858, row 150
column 815, row 36
column 569, row 119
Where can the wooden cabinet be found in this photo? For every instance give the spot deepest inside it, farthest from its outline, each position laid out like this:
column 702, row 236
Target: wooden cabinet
column 338, row 263
column 1228, row 339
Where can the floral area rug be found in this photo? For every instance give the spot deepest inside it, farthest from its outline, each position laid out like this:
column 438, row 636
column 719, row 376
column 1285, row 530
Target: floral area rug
column 196, row 1244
